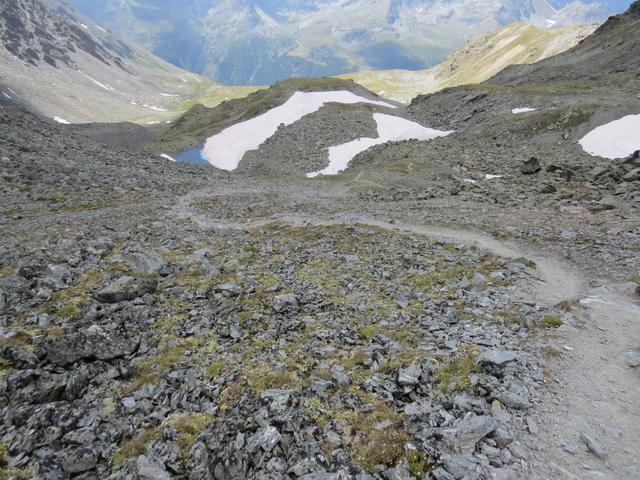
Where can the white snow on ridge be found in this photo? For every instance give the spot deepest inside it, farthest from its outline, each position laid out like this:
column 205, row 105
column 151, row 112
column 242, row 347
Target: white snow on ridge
column 226, row 149
column 167, row 157
column 523, row 110
column 390, row 129
column 61, row 120
column 617, row 139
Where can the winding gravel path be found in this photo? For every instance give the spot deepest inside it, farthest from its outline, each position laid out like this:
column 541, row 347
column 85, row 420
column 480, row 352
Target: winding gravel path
column 587, row 425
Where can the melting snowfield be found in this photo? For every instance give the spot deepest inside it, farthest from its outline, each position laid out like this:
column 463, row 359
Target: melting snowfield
column 226, row 149
column 617, row 139
column 390, row 129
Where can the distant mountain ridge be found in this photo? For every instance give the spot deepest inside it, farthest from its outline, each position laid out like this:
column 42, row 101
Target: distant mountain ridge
column 262, row 41
column 477, row 61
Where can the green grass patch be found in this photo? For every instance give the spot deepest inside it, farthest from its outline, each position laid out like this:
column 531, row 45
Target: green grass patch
column 136, row 445
column 551, row 321
column 266, row 378
column 454, row 374
column 370, row 331
column 7, row 473
column 215, row 369
column 189, row 427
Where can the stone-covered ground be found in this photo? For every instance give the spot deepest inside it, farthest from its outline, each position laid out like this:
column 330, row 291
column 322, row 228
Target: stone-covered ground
column 144, row 333
column 278, row 352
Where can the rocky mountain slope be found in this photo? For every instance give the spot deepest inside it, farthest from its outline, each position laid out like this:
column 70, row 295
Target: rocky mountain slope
column 61, row 65
column 199, row 123
column 409, row 318
column 479, row 60
column 258, row 42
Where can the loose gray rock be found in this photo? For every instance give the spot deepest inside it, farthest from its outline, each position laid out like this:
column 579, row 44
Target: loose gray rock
column 149, row 469
column 531, row 166
column 497, row 357
column 91, row 344
column 608, row 202
column 78, row 460
column 148, row 263
column 410, row 375
column 278, row 400
column 461, row 466
column 125, row 288
column 230, row 289
column 515, row 396
column 266, row 438
column 19, row 357
column 463, row 437
column 286, row 302
column 200, row 263
column 340, row 376
column 594, row 445
column 441, row 474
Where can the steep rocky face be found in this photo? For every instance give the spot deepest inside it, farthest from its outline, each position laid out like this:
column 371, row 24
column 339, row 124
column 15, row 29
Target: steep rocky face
column 60, row 64
column 35, row 33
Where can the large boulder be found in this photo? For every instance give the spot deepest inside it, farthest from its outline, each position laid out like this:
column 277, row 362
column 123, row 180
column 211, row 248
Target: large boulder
column 91, row 344
column 463, row 437
column 148, row 263
column 125, row 288
column 199, row 264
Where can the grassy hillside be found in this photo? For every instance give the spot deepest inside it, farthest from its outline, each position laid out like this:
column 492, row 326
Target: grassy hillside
column 478, row 60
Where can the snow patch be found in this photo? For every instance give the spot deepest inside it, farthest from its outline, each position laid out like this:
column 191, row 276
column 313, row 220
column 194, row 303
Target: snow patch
column 226, row 149
column 617, row 139
column 101, row 85
column 61, row 120
column 83, row 25
column 101, row 29
column 489, row 176
column 155, row 122
column 167, row 157
column 390, row 129
column 6, row 95
column 157, row 109
column 169, row 95
column 523, row 110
